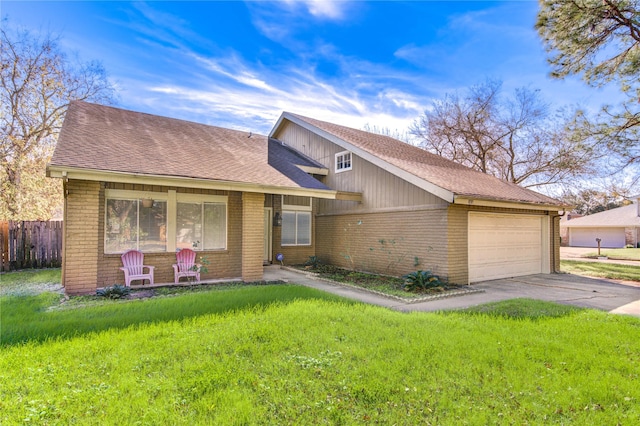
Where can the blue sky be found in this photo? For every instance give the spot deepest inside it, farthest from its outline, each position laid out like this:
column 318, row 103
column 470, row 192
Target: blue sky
column 240, row 64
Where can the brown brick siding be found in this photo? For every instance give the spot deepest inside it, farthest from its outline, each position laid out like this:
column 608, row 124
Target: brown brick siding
column 82, row 237
column 84, row 240
column 354, row 241
column 252, row 236
column 458, row 244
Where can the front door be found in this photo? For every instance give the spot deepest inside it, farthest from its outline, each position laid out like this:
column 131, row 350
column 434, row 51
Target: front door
column 268, row 226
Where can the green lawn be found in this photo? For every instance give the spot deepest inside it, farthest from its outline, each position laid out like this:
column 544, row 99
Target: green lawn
column 617, row 254
column 30, row 281
column 309, row 360
column 601, row 270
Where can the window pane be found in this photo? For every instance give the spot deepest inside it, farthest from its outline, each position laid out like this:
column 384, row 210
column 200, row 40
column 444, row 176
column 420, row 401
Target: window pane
column 347, row 161
column 153, row 227
column 215, row 226
column 288, row 228
column 121, row 226
column 304, row 228
column 189, row 225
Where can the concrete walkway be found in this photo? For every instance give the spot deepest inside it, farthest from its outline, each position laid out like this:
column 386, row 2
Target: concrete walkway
column 561, row 288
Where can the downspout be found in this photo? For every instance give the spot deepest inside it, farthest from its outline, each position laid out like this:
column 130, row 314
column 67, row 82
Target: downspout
column 65, row 193
column 556, row 228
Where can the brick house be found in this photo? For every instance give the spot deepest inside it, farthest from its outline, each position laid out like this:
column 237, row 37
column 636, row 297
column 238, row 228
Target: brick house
column 310, row 188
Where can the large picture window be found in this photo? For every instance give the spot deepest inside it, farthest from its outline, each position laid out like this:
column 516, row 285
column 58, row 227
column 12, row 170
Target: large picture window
column 164, row 221
column 201, row 225
column 135, row 224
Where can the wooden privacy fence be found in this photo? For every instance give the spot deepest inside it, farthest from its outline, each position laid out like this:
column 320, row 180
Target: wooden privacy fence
column 30, row 245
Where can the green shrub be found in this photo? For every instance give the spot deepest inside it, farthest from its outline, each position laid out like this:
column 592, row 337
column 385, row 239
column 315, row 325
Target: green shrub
column 313, row 262
column 114, row 292
column 421, row 281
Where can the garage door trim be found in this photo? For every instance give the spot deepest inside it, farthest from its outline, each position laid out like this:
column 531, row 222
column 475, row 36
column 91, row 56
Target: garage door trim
column 529, row 256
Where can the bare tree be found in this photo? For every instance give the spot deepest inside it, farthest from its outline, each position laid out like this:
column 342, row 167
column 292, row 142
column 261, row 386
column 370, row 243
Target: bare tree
column 37, row 82
column 516, row 138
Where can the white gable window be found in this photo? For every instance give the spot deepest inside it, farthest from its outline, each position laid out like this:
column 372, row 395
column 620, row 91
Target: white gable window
column 343, row 161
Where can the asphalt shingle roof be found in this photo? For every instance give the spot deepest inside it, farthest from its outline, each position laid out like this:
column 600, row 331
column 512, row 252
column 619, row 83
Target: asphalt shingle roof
column 432, row 168
column 104, row 138
column 625, row 216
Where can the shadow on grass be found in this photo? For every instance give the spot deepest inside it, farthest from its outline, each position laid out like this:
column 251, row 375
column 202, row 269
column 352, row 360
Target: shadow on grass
column 29, row 319
column 522, row 309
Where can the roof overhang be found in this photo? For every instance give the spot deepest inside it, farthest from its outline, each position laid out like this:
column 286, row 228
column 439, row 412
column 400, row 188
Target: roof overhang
column 67, row 172
column 473, row 201
column 413, row 179
column 322, row 171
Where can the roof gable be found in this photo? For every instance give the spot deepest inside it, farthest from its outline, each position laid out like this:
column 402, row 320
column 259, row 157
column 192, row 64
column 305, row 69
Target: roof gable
column 440, row 176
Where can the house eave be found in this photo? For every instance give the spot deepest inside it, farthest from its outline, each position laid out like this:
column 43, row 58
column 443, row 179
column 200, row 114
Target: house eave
column 314, row 170
column 186, row 182
column 473, row 201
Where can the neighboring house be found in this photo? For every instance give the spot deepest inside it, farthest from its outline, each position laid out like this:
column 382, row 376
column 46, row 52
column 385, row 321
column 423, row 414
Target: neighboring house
column 349, row 197
column 615, row 228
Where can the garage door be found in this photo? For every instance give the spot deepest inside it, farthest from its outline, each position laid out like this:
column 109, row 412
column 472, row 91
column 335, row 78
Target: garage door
column 586, row 237
column 504, row 245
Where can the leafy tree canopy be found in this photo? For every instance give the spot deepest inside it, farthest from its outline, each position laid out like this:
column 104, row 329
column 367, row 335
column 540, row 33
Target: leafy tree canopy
column 599, row 40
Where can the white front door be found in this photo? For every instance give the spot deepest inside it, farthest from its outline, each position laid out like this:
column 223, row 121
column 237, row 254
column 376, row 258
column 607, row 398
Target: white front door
column 268, row 218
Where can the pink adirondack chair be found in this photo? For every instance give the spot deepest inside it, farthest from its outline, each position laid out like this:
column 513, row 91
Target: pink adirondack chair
column 186, row 265
column 133, row 268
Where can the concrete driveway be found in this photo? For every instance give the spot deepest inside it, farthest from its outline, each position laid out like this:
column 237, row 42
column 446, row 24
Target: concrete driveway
column 561, row 288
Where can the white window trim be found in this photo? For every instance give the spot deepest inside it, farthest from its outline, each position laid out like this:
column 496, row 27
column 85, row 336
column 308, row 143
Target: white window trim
column 201, row 198
column 310, row 228
column 172, row 198
column 342, row 154
column 123, row 194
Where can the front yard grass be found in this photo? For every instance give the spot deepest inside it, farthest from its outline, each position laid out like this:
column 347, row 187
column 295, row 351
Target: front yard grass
column 310, row 361
column 601, row 270
column 617, row 254
column 30, row 281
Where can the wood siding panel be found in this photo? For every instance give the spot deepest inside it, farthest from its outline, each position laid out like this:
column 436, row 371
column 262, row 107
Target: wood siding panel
column 380, row 189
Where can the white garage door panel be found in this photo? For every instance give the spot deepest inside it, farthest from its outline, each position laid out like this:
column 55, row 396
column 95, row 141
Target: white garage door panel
column 586, row 237
column 502, row 246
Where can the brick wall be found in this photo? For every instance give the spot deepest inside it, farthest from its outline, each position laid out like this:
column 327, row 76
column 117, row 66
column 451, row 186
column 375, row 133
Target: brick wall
column 458, row 243
column 252, row 236
column 222, row 263
column 86, row 266
column 81, row 236
column 386, row 243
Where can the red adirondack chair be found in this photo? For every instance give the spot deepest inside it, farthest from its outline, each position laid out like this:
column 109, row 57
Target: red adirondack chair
column 186, row 265
column 133, row 268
